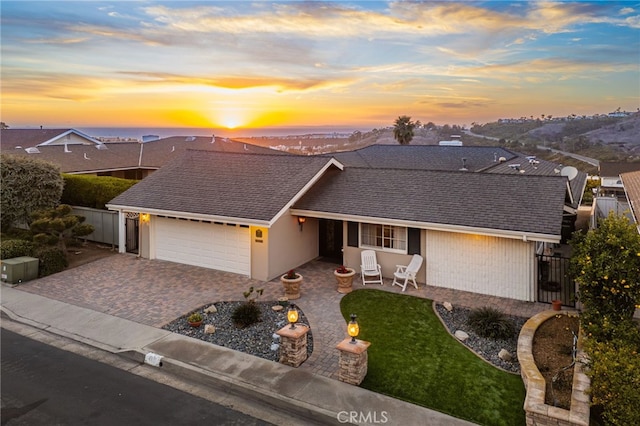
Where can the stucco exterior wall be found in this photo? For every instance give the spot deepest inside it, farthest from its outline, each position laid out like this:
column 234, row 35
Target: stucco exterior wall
column 289, row 246
column 481, row 264
column 260, row 253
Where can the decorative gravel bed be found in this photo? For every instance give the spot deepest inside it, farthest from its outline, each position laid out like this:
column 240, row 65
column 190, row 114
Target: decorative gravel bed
column 488, row 349
column 258, row 339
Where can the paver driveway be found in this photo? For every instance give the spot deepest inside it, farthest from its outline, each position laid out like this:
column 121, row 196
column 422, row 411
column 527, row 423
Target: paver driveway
column 155, row 292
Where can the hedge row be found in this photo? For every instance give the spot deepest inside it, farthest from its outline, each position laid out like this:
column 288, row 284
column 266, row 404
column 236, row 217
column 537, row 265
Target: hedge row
column 52, row 259
column 92, row 191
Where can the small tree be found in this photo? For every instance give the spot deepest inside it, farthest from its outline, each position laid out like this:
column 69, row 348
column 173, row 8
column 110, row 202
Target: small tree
column 28, row 185
column 54, row 226
column 606, row 265
column 403, row 129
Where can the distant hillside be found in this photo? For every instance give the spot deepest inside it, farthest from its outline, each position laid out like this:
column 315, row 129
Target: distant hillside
column 604, row 138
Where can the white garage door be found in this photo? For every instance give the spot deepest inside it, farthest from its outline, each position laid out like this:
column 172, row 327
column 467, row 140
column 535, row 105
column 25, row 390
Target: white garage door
column 216, row 246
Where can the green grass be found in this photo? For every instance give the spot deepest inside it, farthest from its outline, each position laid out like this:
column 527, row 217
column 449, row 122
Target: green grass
column 413, row 358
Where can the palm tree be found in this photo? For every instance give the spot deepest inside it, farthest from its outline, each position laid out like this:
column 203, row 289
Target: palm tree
column 403, row 129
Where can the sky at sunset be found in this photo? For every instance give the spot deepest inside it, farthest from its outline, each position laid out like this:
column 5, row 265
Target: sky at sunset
column 275, row 64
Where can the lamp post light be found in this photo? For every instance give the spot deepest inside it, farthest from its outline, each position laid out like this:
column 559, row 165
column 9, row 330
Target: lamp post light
column 353, row 328
column 292, row 315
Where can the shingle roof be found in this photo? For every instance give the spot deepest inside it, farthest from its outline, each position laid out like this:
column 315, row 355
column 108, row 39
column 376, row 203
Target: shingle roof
column 530, row 204
column 118, row 155
column 614, row 169
column 25, row 138
column 541, row 168
column 243, row 186
column 631, row 183
column 484, row 159
column 424, row 157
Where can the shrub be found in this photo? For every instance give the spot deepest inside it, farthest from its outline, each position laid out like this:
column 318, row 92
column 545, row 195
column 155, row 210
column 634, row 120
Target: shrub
column 195, row 317
column 246, row 314
column 93, row 191
column 52, row 260
column 15, row 248
column 614, row 369
column 490, row 322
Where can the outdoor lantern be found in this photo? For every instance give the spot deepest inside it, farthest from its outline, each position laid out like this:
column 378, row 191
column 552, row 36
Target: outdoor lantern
column 353, row 329
column 144, row 217
column 301, row 221
column 292, row 315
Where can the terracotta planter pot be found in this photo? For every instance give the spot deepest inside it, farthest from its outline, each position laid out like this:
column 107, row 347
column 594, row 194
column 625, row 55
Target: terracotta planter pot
column 291, row 286
column 195, row 323
column 345, row 281
column 556, row 304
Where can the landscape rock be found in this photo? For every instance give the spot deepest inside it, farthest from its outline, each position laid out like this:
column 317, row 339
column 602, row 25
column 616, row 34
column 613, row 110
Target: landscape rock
column 210, row 310
column 461, row 335
column 277, row 308
column 505, row 355
column 448, row 306
column 209, row 329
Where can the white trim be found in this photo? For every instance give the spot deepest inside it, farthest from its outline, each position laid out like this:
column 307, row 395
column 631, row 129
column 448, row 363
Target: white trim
column 518, row 235
column 194, row 216
column 68, row 132
column 331, row 162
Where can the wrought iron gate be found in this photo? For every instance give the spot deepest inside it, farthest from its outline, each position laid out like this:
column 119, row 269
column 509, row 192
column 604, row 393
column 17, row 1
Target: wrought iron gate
column 554, row 282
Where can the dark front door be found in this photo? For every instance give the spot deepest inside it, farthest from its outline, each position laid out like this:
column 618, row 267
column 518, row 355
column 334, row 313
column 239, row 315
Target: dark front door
column 132, row 230
column 330, row 240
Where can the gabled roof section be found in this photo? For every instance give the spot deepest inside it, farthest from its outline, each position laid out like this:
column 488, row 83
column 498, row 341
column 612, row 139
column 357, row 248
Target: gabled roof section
column 66, row 138
column 499, row 204
column 424, row 157
column 245, row 187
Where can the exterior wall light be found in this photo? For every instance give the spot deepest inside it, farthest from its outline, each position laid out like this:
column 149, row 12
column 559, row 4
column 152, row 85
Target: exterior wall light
column 145, row 217
column 301, row 221
column 353, row 328
column 292, row 315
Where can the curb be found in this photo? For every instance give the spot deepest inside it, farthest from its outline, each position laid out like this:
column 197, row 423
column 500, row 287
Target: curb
column 310, row 412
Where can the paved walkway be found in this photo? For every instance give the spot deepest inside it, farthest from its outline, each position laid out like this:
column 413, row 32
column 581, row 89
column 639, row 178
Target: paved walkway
column 154, row 293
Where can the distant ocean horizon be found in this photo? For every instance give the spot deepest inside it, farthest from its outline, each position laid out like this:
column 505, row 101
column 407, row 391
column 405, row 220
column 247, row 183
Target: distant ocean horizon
column 163, row 132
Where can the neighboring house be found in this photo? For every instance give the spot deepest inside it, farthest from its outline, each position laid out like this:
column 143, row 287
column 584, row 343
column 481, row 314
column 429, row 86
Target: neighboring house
column 610, row 182
column 77, row 153
column 612, row 196
column 479, row 221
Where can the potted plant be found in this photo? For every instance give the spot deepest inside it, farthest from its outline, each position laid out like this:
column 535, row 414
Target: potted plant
column 344, row 276
column 291, row 282
column 195, row 319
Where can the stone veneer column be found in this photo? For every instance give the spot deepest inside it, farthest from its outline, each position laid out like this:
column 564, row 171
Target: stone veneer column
column 353, row 361
column 293, row 345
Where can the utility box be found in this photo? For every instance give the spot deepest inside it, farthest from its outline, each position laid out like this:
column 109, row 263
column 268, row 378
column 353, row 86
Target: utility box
column 19, row 269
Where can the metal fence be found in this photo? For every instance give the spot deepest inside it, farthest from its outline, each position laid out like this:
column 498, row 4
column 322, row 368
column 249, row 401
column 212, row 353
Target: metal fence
column 554, row 282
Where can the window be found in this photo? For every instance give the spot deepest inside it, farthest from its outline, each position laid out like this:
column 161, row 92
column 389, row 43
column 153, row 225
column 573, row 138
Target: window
column 383, row 237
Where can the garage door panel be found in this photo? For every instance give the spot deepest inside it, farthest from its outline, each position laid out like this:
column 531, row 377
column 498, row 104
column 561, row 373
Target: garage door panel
column 215, row 246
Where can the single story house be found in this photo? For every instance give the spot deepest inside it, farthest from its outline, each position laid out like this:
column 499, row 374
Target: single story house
column 76, row 152
column 477, row 219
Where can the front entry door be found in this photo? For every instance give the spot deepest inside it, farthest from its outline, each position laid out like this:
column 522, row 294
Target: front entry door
column 330, row 240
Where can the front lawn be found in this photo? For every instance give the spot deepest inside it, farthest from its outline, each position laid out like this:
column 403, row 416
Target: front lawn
column 412, row 357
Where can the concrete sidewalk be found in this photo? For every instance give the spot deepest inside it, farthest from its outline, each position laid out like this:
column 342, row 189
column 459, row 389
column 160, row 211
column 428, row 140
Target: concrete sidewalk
column 289, row 389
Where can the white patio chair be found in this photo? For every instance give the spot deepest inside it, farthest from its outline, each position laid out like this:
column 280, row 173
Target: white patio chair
column 404, row 274
column 370, row 270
